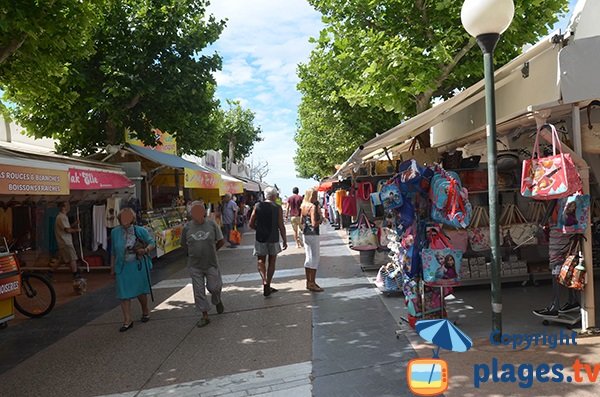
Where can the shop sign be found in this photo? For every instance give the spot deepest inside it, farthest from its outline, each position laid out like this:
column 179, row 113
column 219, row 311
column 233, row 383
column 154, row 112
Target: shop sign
column 93, row 180
column 165, row 142
column 10, row 286
column 196, row 179
column 168, row 240
column 33, row 181
column 232, row 187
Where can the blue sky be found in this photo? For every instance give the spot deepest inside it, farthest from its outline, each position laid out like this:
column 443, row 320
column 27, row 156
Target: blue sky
column 261, row 46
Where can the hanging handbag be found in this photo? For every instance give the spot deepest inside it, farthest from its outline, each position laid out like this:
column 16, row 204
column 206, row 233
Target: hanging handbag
column 427, row 156
column 441, row 266
column 515, row 229
column 349, row 204
column 364, row 190
column 391, row 197
column 450, row 200
column 475, row 180
column 459, row 238
column 451, row 161
column 574, row 213
column 552, row 177
column 479, row 231
column 363, row 236
column 570, row 276
column 235, row 237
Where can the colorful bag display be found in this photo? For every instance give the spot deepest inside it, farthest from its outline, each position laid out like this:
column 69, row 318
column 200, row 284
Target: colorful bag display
column 363, row 236
column 515, row 229
column 441, row 267
column 364, row 190
column 574, row 213
column 391, row 197
column 552, row 177
column 479, row 232
column 570, row 276
column 427, row 155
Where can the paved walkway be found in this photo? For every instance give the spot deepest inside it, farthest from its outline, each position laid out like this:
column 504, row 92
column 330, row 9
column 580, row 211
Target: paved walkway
column 337, row 343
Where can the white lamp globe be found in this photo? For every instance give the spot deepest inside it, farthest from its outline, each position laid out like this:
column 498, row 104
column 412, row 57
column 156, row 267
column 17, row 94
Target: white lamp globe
column 487, row 16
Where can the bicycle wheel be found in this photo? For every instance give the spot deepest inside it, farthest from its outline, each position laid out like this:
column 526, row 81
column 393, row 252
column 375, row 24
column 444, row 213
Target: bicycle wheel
column 38, row 296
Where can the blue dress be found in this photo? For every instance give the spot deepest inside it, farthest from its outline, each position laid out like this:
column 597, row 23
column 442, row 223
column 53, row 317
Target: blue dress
column 132, row 274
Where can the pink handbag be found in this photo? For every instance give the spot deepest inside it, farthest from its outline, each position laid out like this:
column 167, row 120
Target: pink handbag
column 349, row 204
column 551, row 177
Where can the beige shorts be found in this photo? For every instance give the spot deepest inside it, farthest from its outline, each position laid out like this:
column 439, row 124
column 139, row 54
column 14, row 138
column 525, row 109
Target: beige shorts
column 296, row 221
column 67, row 254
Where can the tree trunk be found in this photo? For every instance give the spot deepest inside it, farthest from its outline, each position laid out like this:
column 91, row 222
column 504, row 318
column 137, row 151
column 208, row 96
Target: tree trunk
column 423, row 103
column 231, row 153
column 12, row 47
column 111, row 133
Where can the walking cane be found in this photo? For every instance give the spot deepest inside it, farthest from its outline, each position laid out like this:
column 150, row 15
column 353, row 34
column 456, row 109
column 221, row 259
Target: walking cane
column 80, row 244
column 145, row 259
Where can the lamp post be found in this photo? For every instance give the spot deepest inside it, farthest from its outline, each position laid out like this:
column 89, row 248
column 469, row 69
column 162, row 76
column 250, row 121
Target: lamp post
column 486, row 20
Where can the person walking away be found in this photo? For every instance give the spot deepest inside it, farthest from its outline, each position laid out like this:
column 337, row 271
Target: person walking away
column 229, row 215
column 311, row 219
column 131, row 265
column 63, row 230
column 201, row 239
column 267, row 220
column 293, row 213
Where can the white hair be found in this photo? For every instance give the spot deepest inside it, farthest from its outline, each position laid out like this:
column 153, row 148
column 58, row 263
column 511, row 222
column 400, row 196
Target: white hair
column 271, row 193
column 196, row 202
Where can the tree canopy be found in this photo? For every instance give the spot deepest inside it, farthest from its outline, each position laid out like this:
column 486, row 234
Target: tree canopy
column 235, row 130
column 148, row 69
column 398, row 55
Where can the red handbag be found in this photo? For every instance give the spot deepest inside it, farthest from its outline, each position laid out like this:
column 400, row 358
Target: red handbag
column 552, row 177
column 364, row 191
column 349, row 204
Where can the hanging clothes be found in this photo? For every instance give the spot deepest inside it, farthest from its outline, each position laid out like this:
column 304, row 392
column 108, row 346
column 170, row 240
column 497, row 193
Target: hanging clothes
column 6, row 216
column 339, row 197
column 99, row 227
column 113, row 206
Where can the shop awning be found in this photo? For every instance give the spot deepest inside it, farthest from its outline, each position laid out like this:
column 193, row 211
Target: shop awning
column 195, row 176
column 95, row 179
column 325, row 186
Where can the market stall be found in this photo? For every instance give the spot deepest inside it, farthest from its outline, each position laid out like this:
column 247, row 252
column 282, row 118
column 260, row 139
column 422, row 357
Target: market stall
column 530, row 101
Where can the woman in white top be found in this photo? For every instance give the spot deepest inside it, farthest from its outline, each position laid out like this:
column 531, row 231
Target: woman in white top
column 311, row 219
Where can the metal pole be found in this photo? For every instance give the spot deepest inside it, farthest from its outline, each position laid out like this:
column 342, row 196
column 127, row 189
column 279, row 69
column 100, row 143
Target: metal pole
column 487, row 42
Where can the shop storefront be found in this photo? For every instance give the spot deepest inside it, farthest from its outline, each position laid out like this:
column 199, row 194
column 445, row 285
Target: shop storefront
column 528, row 100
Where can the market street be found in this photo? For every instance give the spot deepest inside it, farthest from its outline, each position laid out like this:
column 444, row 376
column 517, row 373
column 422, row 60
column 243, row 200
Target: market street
column 344, row 337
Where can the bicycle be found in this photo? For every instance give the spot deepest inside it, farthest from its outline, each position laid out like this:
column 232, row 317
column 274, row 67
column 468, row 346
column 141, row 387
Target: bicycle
column 38, row 296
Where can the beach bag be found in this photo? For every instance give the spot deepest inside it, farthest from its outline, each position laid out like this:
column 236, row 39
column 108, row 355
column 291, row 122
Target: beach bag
column 475, row 180
column 391, row 197
column 552, row 177
column 452, row 161
column 385, row 167
column 574, row 213
column 437, row 238
column 349, row 204
column 515, row 229
column 364, row 190
column 450, row 200
column 569, row 275
column 235, row 237
column 421, row 156
column 441, row 266
column 363, row 236
column 459, row 239
column 479, row 231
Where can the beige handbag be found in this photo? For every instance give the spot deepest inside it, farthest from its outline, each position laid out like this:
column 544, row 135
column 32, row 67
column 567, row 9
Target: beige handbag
column 422, row 156
column 479, row 231
column 515, row 228
column 537, row 209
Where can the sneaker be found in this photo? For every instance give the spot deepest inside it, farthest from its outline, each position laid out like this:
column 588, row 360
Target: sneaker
column 220, row 308
column 203, row 322
column 569, row 307
column 547, row 312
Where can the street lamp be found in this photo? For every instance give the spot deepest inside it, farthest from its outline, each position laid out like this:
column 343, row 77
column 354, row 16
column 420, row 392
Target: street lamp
column 486, row 20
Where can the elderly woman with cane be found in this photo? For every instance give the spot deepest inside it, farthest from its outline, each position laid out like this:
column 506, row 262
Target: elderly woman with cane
column 131, row 265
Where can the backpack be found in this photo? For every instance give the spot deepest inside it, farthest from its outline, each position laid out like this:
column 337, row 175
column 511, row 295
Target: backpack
column 450, row 200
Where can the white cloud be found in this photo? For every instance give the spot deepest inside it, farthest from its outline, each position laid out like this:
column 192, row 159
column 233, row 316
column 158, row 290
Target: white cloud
column 261, row 46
